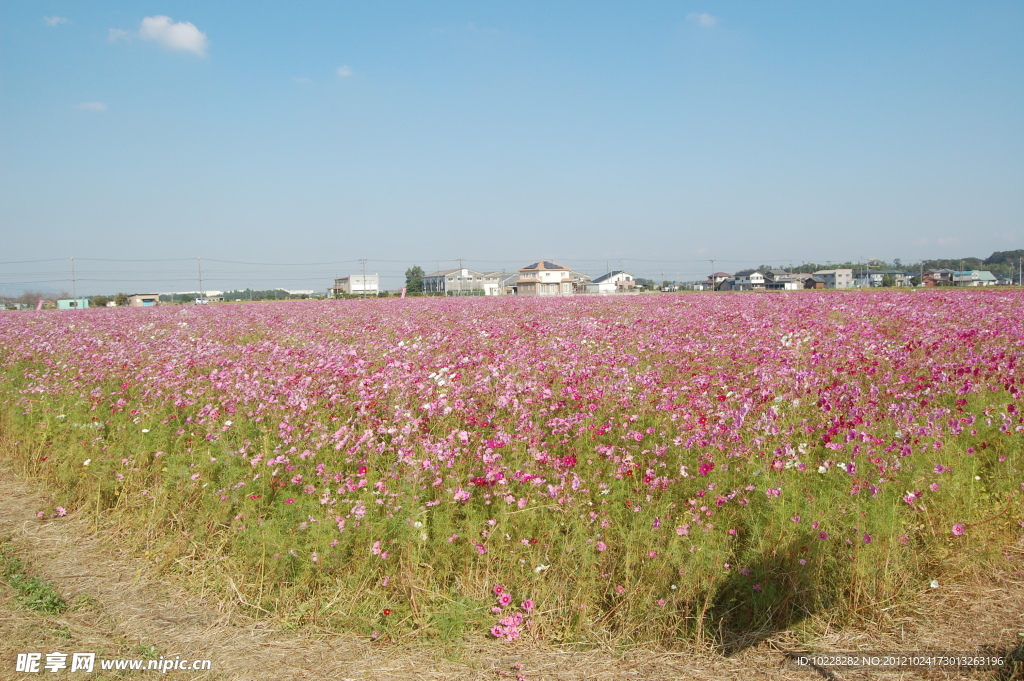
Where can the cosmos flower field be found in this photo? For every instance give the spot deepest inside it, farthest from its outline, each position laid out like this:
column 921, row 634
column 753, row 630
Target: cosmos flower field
column 644, row 468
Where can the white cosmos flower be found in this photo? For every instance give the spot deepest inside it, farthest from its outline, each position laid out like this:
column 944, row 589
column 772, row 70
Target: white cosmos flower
column 541, row 568
column 87, row 462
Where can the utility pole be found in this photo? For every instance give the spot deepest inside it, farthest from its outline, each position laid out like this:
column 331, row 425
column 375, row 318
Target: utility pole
column 713, row 289
column 74, row 286
column 363, row 260
column 199, row 260
column 460, row 276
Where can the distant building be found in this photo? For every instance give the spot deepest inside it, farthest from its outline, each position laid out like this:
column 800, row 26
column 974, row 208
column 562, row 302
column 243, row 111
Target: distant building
column 144, row 300
column 357, row 285
column 73, row 304
column 617, row 281
column 499, row 283
column 749, row 280
column 786, row 282
column 839, row 278
column 974, row 278
column 877, row 278
column 720, row 281
column 941, row 277
column 455, row 282
column 545, row 278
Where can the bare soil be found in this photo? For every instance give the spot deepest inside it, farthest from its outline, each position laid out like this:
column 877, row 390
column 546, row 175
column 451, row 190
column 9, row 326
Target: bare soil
column 121, row 608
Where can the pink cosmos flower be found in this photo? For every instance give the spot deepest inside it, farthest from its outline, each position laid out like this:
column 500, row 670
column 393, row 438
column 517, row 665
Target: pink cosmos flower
column 527, row 605
column 958, row 529
column 60, row 512
column 481, row 549
column 601, row 546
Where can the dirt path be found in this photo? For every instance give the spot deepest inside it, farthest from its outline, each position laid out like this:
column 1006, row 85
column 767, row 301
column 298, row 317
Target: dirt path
column 120, row 610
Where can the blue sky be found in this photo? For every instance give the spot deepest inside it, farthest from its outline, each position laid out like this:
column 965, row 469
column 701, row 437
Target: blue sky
column 656, row 135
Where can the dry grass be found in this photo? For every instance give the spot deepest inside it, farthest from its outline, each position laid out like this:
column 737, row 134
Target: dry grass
column 122, row 603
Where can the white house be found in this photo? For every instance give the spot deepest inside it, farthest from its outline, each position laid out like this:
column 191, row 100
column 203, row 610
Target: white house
column 499, row 283
column 749, row 280
column 613, row 282
column 545, row 278
column 357, row 285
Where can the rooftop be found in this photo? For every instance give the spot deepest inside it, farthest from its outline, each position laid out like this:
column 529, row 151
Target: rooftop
column 543, row 265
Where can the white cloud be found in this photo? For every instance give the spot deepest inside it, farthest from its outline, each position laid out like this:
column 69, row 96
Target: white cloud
column 181, row 36
column 95, row 107
column 344, row 71
column 702, row 19
column 55, row 21
column 176, row 35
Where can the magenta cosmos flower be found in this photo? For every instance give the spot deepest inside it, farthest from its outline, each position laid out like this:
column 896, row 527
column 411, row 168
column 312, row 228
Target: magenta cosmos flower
column 959, row 529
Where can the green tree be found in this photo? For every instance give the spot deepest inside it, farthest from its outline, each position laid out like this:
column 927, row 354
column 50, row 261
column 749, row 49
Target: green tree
column 414, row 279
column 887, row 280
column 121, row 299
column 100, row 301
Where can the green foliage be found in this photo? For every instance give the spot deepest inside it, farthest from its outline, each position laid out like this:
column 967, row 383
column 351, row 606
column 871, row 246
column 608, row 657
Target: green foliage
column 414, row 279
column 1010, row 258
column 32, row 592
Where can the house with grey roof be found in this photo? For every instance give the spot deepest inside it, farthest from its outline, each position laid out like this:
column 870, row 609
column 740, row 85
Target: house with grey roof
column 545, row 278
column 617, row 281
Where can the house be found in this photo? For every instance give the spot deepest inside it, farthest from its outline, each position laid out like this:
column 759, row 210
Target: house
column 499, row 283
column 877, row 278
column 72, row 304
column 787, row 282
column 545, row 278
column 460, row 281
column 939, row 277
column 974, row 278
column 613, row 282
column 749, row 280
column 838, row 278
column 357, row 285
column 143, row 300
column 579, row 281
column 717, row 281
